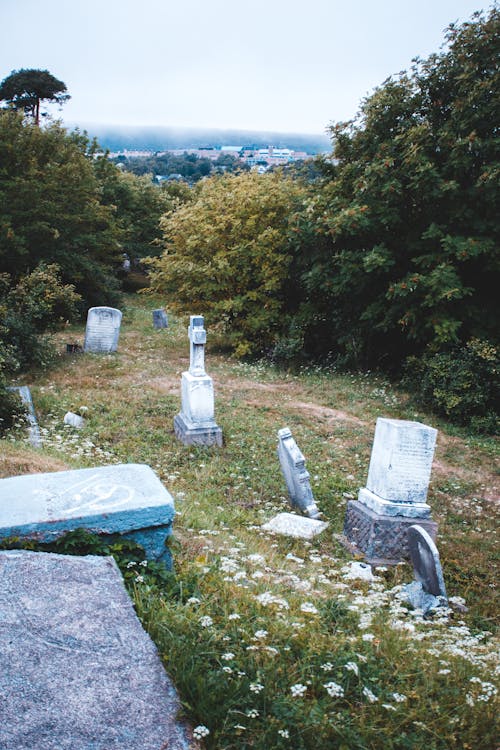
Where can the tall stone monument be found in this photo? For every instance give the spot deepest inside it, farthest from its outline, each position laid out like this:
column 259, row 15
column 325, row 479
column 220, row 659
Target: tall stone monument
column 103, row 330
column 396, row 492
column 195, row 425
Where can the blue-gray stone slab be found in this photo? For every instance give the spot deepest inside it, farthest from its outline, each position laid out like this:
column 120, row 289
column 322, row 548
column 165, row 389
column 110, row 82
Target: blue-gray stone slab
column 25, row 396
column 78, row 670
column 127, row 499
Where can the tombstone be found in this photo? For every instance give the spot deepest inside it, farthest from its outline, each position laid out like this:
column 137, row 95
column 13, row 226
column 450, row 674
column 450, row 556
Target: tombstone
column 195, row 425
column 126, row 499
column 395, row 494
column 74, row 420
column 160, row 319
column 103, row 330
column 293, row 466
column 299, row 527
column 428, row 591
column 78, row 669
column 25, row 396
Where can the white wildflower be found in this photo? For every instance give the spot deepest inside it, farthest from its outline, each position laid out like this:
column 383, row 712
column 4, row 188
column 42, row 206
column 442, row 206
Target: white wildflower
column 298, row 690
column 334, row 689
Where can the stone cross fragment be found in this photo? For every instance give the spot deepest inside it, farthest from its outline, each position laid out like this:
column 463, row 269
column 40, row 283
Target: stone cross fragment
column 428, row 591
column 198, row 339
column 103, row 330
column 293, row 466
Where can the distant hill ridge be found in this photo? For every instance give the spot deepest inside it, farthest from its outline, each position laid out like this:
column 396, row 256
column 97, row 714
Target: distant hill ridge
column 117, row 138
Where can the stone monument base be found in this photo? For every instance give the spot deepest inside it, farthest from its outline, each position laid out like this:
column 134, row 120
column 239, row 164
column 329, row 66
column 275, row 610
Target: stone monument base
column 380, row 539
column 191, row 433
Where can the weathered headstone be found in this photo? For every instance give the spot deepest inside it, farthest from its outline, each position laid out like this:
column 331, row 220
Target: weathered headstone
column 103, row 330
column 428, row 591
column 126, row 499
column 25, row 396
column 396, row 491
column 195, row 425
column 78, row 670
column 74, row 420
column 293, row 466
column 160, row 319
column 289, row 524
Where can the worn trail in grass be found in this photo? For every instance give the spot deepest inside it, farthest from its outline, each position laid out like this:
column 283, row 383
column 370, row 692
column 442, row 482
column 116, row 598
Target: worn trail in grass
column 270, row 641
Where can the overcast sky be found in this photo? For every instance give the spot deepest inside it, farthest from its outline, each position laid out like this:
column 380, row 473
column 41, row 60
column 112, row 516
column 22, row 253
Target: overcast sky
column 275, row 65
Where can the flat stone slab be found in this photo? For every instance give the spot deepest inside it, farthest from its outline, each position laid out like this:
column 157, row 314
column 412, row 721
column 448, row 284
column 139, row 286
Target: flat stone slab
column 127, row 499
column 300, row 527
column 78, row 670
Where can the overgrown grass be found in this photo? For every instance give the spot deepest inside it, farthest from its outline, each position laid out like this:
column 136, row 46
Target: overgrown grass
column 271, row 642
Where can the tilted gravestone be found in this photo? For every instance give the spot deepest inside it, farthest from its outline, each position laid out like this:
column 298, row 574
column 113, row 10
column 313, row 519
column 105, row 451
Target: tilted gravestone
column 103, row 330
column 25, row 396
column 195, row 425
column 78, row 670
column 293, row 466
column 126, row 499
column 428, row 591
column 396, row 491
column 160, row 319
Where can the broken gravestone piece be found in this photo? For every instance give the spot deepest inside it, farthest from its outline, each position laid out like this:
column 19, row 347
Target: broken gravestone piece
column 290, row 524
column 293, row 466
column 428, row 591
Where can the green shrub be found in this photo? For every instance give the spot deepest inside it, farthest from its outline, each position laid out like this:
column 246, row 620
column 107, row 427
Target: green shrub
column 461, row 384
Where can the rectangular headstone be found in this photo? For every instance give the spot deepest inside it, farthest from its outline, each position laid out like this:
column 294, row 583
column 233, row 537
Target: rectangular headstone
column 127, row 499
column 160, row 319
column 293, row 466
column 103, row 330
column 78, row 671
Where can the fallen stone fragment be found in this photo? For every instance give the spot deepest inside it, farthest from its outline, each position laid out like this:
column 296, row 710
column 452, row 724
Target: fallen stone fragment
column 290, row 524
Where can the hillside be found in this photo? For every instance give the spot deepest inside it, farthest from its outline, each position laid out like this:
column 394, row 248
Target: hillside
column 272, row 642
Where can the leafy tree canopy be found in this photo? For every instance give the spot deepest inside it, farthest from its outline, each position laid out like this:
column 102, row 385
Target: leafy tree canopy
column 25, row 89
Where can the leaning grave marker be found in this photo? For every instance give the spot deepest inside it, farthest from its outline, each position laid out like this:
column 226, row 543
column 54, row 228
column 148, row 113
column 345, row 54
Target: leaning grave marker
column 78, row 670
column 195, row 425
column 102, row 330
column 126, row 499
column 396, row 491
column 293, row 466
column 428, row 591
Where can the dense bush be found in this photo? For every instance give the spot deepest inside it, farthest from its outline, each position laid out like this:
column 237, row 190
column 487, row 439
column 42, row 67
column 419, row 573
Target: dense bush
column 462, row 384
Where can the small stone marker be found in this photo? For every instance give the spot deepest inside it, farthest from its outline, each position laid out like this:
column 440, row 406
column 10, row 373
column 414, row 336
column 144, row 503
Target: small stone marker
column 25, row 396
column 195, row 425
column 290, row 524
column 293, row 466
column 428, row 591
column 78, row 671
column 160, row 319
column 74, row 420
column 395, row 493
column 103, row 330
column 126, row 499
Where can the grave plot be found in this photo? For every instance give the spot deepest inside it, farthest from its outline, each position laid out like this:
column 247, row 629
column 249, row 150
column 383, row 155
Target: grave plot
column 128, row 499
column 78, row 671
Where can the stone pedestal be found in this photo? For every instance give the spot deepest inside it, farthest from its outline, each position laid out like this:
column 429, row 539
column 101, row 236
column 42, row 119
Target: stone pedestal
column 381, row 539
column 196, row 425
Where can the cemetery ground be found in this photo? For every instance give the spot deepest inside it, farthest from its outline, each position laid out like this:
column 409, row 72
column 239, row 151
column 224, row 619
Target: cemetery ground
column 274, row 642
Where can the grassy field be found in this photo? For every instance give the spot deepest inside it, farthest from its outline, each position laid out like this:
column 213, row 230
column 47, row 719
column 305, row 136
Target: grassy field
column 271, row 642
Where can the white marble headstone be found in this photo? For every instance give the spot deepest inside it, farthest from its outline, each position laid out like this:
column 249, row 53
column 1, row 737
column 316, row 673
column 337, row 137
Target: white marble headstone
column 400, row 468
column 293, row 466
column 103, row 330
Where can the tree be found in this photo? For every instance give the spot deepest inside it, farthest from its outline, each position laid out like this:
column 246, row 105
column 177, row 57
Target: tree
column 25, row 89
column 400, row 254
column 227, row 254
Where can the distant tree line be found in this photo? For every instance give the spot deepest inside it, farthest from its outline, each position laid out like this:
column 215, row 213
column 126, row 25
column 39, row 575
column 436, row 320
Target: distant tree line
column 189, row 167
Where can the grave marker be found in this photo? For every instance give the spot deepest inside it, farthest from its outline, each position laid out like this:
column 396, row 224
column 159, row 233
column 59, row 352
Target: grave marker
column 25, row 396
column 300, row 527
column 103, row 330
column 293, row 466
column 160, row 319
column 428, row 591
column 127, row 499
column 396, row 491
column 78, row 670
column 195, row 425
